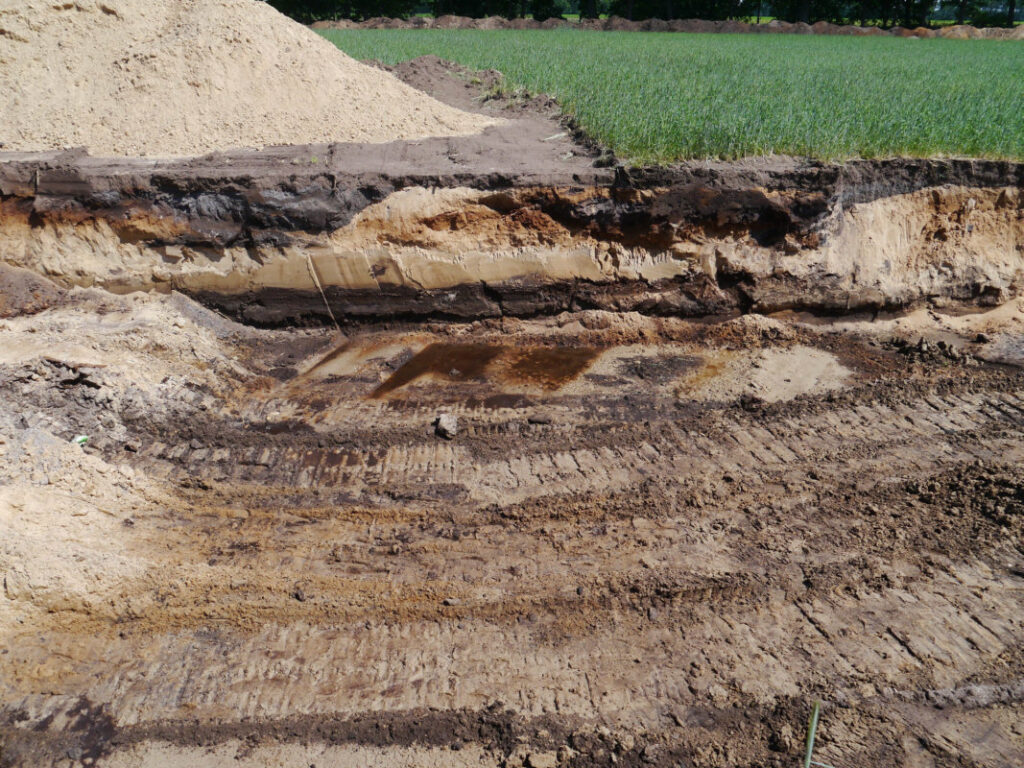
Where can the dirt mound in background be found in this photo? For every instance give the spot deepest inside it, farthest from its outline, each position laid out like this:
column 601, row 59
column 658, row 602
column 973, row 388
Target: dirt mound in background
column 619, row 24
column 162, row 78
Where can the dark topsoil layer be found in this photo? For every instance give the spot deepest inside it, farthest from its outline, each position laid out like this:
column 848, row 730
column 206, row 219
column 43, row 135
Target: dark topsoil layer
column 243, row 197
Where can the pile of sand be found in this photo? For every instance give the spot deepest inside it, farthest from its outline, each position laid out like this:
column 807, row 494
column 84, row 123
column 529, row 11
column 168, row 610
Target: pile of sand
column 184, row 77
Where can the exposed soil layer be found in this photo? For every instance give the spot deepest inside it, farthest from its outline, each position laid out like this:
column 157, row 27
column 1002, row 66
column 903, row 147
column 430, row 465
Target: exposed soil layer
column 272, row 245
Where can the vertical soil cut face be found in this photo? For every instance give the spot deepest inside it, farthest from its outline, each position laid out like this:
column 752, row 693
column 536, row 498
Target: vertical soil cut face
column 870, row 237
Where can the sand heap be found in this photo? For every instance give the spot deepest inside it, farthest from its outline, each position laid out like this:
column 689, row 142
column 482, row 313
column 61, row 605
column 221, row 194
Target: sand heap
column 185, row 77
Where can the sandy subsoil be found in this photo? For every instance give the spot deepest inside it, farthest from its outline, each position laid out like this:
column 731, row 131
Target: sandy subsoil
column 177, row 78
column 635, row 538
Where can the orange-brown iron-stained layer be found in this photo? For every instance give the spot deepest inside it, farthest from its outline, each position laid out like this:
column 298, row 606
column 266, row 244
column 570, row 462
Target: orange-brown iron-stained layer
column 546, row 367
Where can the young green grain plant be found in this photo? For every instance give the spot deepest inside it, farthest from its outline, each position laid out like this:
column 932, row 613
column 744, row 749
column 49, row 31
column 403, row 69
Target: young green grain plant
column 661, row 97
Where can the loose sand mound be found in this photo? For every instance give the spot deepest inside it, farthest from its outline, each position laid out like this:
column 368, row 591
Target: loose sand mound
column 186, row 77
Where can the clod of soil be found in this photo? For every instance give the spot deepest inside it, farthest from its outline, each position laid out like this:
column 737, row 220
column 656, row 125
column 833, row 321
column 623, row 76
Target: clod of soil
column 170, row 78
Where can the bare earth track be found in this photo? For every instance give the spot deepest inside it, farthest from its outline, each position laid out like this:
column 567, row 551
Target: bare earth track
column 654, row 540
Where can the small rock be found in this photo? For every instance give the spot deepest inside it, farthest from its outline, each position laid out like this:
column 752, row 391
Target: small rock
column 518, row 757
column 983, row 338
column 652, row 613
column 649, row 754
column 750, row 402
column 539, row 418
column 446, row 426
column 194, row 444
column 451, row 601
column 299, row 595
column 782, row 739
column 542, row 760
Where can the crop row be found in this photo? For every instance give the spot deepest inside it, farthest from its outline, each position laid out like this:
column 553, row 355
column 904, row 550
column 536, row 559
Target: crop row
column 662, row 97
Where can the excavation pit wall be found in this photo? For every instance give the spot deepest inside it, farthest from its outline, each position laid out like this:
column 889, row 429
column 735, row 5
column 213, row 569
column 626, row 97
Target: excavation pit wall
column 270, row 244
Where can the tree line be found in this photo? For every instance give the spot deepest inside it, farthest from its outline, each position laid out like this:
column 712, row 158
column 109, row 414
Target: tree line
column 908, row 13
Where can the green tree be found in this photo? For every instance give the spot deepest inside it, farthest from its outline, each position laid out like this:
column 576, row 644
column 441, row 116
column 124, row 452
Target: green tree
column 308, row 11
column 542, row 10
column 963, row 10
column 809, row 11
column 682, row 9
column 915, row 12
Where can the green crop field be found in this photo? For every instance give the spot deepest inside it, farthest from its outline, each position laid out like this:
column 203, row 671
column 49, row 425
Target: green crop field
column 669, row 96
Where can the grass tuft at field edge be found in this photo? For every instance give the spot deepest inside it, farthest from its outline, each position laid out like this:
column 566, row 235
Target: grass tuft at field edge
column 660, row 97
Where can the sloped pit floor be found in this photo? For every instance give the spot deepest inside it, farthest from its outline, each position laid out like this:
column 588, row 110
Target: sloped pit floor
column 621, row 552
